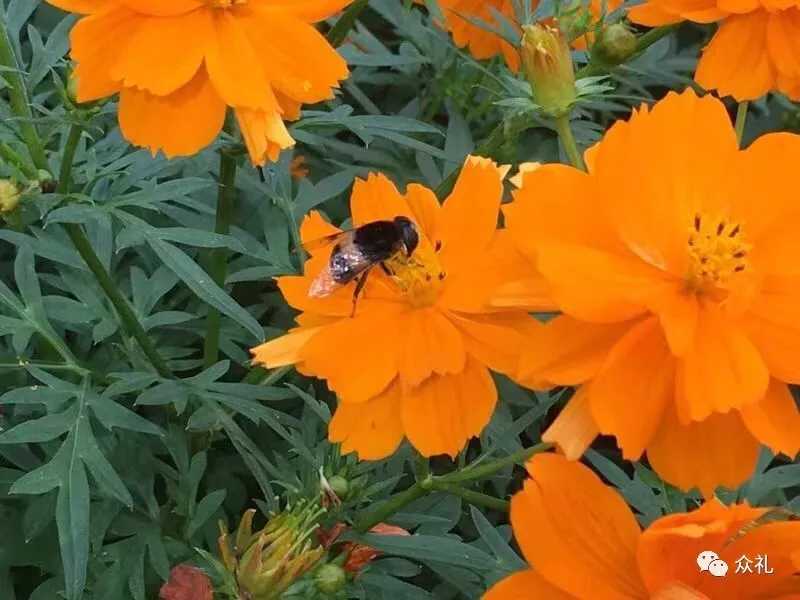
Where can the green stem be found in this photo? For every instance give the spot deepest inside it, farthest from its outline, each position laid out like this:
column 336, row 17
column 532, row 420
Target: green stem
column 471, row 473
column 84, row 248
column 65, row 173
column 126, row 314
column 469, row 495
column 643, row 42
column 395, row 504
column 341, row 29
column 741, row 119
column 226, row 197
column 568, row 139
column 18, row 96
column 12, row 157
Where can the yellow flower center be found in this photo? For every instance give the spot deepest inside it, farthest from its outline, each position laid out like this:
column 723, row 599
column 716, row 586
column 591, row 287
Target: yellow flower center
column 224, row 3
column 717, row 251
column 419, row 276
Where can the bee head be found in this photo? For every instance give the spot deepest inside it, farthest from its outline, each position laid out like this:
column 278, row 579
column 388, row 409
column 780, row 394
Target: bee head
column 408, row 234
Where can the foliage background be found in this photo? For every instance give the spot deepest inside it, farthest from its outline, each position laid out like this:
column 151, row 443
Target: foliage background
column 111, row 473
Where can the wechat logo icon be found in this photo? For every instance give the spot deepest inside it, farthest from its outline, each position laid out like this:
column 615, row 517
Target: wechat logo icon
column 709, row 561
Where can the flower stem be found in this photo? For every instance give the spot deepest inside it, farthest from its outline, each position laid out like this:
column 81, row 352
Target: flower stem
column 18, row 97
column 65, row 173
column 84, row 248
column 568, row 140
column 12, row 157
column 741, row 119
column 469, row 495
column 395, row 504
column 226, row 196
column 339, row 31
column 643, row 42
column 471, row 473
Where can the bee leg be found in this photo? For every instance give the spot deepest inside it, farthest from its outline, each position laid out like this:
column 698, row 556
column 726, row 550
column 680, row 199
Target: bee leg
column 386, row 269
column 359, row 286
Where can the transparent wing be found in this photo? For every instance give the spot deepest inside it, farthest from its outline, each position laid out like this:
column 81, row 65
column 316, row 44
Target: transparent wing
column 349, row 263
column 342, row 237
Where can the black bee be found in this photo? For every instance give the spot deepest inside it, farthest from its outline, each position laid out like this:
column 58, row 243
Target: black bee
column 356, row 251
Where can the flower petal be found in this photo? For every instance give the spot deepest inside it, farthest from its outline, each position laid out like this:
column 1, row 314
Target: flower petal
column 775, row 419
column 159, row 8
column 668, row 549
column 310, row 11
column 783, row 39
column 722, row 371
column 443, row 413
column 163, row 53
column 718, row 451
column 373, row 429
column 357, row 357
column 574, row 429
column 234, row 66
column 264, row 133
column 428, row 344
column 639, row 372
column 425, row 209
column 468, row 219
column 283, row 350
column 567, row 351
column 699, row 11
column 180, row 124
column 96, row 44
column 376, row 199
column 652, row 15
column 567, row 521
column 496, row 340
column 525, row 585
column 737, row 62
column 598, row 286
column 283, row 42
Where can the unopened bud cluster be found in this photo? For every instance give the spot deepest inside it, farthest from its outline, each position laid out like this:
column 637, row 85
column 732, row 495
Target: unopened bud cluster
column 548, row 66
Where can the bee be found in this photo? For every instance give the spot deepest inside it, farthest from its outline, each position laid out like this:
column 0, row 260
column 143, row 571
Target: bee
column 356, row 251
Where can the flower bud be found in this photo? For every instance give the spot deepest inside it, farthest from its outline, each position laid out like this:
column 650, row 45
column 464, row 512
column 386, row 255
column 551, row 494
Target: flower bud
column 615, row 44
column 264, row 564
column 330, row 578
column 548, row 67
column 9, row 196
column 339, row 485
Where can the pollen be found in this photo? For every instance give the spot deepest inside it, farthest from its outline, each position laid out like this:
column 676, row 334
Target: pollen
column 420, row 276
column 717, row 252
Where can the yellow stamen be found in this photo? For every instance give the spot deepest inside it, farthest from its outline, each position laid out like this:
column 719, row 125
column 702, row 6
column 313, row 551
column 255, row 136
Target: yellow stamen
column 420, row 276
column 717, row 252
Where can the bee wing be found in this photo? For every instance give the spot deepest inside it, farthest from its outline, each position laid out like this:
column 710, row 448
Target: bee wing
column 342, row 237
column 324, row 284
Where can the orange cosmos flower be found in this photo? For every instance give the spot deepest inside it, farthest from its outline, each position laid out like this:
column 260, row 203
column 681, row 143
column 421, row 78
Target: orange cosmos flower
column 584, row 543
column 412, row 363
column 755, row 50
column 670, row 260
column 484, row 43
column 177, row 65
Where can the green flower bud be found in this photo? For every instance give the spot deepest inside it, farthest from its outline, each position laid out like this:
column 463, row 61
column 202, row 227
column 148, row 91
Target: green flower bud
column 9, row 196
column 615, row 44
column 330, row 578
column 548, row 67
column 339, row 485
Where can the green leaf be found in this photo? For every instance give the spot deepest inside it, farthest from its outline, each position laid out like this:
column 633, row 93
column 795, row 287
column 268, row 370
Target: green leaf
column 43, row 429
column 206, row 509
column 72, row 518
column 427, row 548
column 202, row 285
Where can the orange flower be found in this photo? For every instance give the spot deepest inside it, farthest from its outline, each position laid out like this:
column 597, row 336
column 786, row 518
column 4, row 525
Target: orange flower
column 298, row 168
column 584, row 543
column 177, row 65
column 413, row 363
column 671, row 261
column 484, row 43
column 755, row 50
